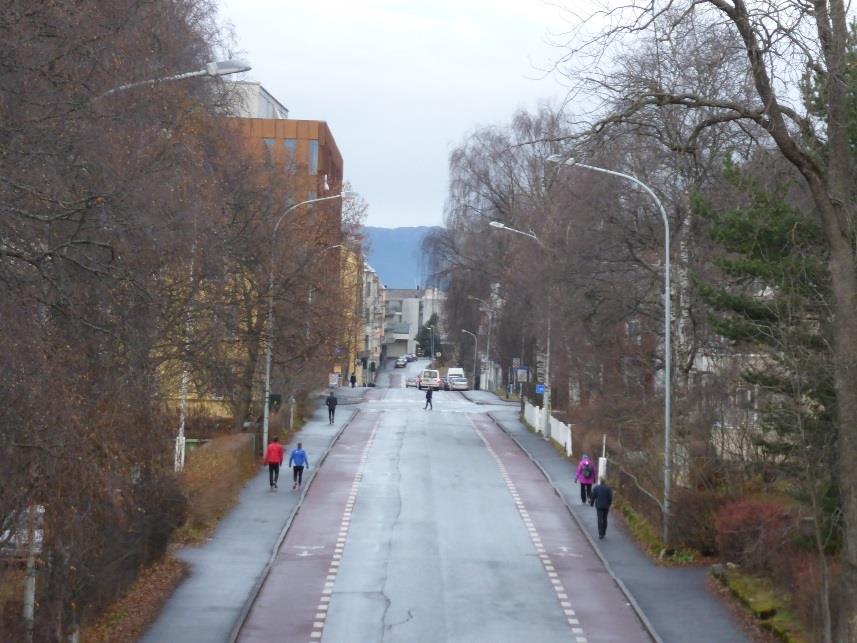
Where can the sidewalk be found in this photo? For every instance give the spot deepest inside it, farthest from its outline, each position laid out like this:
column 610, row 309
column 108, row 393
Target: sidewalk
column 224, row 571
column 675, row 600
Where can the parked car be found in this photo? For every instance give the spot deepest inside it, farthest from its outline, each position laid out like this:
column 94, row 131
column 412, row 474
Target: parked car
column 401, row 362
column 444, row 382
column 457, row 383
column 429, row 378
column 411, row 357
column 411, row 381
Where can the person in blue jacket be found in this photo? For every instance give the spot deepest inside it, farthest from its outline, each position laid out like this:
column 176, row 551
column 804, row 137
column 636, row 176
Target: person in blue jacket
column 297, row 461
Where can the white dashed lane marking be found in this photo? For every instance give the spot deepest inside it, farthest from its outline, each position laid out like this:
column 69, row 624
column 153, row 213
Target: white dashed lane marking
column 550, row 570
column 330, row 580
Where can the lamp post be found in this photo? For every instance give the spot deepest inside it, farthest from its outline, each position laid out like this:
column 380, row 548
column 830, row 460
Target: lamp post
column 212, row 69
column 218, row 68
column 269, row 351
column 475, row 353
column 547, row 394
column 490, row 312
column 431, row 332
column 667, row 319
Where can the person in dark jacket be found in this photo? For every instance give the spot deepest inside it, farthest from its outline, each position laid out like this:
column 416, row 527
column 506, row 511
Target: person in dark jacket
column 428, row 399
column 331, row 402
column 602, row 498
column 353, row 380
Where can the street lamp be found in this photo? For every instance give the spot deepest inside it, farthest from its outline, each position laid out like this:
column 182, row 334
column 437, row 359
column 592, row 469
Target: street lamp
column 502, row 226
column 667, row 318
column 547, row 394
column 490, row 312
column 431, row 332
column 475, row 353
column 218, row 68
column 269, row 352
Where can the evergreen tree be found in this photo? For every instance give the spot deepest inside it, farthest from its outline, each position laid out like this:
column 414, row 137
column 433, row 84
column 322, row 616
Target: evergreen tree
column 775, row 301
column 424, row 335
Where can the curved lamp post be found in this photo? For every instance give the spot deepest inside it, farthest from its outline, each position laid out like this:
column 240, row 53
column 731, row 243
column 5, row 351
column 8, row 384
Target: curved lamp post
column 217, row 68
column 475, row 354
column 667, row 318
column 269, row 351
column 431, row 331
column 547, row 394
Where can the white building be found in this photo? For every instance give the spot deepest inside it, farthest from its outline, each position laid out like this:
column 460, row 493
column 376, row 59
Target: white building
column 251, row 100
column 407, row 311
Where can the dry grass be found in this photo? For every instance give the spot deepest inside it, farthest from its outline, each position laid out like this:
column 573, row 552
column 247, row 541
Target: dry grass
column 212, row 479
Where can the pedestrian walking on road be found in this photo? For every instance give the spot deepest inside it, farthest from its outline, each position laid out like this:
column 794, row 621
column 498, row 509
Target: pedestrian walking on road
column 585, row 475
column 274, row 458
column 331, row 402
column 297, row 461
column 353, row 380
column 602, row 498
column 428, row 399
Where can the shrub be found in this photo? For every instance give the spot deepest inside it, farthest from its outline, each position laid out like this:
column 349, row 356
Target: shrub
column 754, row 533
column 693, row 519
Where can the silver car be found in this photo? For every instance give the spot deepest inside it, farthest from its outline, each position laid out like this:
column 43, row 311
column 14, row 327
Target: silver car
column 458, row 383
column 411, row 381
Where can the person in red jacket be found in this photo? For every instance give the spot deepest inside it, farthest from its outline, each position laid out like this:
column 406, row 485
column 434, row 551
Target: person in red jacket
column 274, row 458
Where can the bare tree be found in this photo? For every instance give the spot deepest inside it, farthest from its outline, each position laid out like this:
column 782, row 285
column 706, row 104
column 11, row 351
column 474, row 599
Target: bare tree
column 780, row 45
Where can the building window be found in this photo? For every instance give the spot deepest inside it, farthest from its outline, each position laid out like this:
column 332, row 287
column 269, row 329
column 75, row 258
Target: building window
column 269, row 149
column 313, row 157
column 291, row 147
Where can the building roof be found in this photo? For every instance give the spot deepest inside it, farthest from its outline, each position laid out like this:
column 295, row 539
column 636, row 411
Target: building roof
column 404, row 293
column 254, row 101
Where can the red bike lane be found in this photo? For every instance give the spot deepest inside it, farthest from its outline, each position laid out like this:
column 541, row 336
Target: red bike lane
column 293, row 601
column 595, row 608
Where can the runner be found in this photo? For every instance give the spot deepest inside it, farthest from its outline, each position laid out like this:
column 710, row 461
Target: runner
column 298, row 460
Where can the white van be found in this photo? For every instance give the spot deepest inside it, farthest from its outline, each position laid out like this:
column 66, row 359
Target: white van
column 455, row 371
column 429, row 378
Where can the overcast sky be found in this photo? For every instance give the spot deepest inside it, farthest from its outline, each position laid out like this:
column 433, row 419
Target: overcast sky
column 400, row 83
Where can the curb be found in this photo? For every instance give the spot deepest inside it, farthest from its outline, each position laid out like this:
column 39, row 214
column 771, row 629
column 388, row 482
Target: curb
column 650, row 629
column 500, row 401
column 254, row 593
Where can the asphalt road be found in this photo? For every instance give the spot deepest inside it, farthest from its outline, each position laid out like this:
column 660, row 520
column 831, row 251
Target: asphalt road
column 432, row 525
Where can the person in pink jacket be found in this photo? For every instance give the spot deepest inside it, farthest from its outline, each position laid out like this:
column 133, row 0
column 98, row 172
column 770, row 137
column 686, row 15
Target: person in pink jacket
column 586, row 474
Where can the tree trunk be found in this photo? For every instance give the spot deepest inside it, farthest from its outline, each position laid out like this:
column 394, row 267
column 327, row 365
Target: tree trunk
column 843, row 274
column 844, row 278
column 245, row 389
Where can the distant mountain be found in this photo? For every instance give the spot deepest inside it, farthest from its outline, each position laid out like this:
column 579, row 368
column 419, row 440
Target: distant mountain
column 396, row 255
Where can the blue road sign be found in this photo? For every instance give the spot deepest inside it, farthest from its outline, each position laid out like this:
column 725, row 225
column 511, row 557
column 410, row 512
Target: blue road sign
column 540, row 389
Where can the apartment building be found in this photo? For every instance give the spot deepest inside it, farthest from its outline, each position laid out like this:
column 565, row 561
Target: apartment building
column 407, row 310
column 373, row 313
